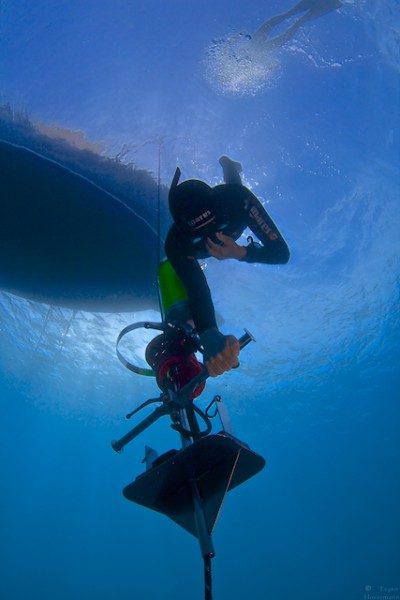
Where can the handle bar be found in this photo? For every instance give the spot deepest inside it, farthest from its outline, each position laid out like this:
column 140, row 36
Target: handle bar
column 246, row 338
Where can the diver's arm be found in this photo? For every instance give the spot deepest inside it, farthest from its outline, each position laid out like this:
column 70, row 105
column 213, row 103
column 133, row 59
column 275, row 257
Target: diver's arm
column 220, row 351
column 273, row 248
column 178, row 250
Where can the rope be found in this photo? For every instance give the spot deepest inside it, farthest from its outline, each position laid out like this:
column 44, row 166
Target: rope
column 159, row 205
column 157, row 283
column 207, row 578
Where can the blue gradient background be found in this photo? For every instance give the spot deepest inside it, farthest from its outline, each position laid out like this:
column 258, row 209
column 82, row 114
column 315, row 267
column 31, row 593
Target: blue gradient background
column 316, row 127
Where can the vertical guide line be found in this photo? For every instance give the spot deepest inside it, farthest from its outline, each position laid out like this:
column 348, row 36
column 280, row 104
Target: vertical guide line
column 158, row 258
column 159, row 204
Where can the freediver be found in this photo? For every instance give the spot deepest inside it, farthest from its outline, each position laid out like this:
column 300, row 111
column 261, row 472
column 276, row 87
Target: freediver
column 207, row 222
column 313, row 9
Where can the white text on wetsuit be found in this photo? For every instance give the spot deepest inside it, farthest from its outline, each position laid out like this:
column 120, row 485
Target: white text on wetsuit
column 198, row 219
column 254, row 214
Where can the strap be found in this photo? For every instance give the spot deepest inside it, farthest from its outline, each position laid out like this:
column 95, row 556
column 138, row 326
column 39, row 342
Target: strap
column 125, row 362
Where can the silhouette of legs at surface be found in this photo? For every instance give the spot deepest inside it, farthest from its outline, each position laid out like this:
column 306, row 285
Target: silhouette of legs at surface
column 313, row 10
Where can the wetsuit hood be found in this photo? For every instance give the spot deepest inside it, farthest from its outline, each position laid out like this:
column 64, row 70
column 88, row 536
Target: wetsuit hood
column 199, row 210
column 192, row 206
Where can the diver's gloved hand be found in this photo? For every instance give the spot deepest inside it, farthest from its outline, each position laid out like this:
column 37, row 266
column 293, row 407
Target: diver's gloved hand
column 220, row 351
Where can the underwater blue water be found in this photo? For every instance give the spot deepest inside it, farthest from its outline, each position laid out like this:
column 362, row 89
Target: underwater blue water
column 316, row 127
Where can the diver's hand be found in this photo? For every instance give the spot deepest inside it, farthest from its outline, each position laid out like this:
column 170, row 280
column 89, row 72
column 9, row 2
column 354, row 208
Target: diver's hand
column 225, row 360
column 229, row 249
column 220, row 351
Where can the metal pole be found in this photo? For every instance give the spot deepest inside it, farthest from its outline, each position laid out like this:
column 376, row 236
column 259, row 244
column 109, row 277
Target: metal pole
column 119, row 444
column 205, row 539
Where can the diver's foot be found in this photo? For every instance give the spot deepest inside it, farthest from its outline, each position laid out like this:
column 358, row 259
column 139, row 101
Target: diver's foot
column 268, row 26
column 227, row 162
column 231, row 169
column 232, row 165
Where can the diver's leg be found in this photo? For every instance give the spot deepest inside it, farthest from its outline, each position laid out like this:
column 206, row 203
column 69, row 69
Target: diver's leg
column 266, row 27
column 314, row 8
column 323, row 7
column 280, row 40
column 231, row 170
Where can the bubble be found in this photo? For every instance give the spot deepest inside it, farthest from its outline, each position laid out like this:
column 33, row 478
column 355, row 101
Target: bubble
column 238, row 65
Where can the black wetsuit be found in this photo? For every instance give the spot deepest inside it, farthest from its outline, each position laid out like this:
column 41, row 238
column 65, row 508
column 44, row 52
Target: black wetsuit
column 240, row 209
